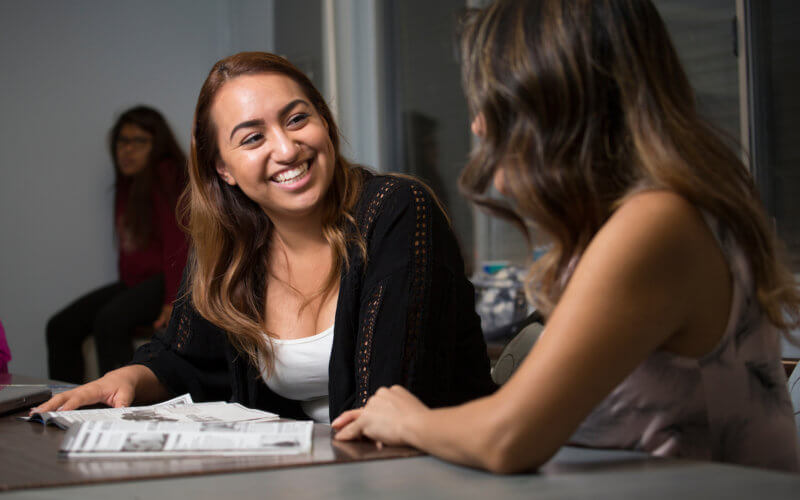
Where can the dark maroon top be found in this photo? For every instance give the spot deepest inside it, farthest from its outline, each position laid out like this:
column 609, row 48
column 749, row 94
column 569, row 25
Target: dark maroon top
column 166, row 252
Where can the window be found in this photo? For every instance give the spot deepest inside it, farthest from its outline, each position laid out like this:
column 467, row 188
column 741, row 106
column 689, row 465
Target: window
column 773, row 76
column 427, row 122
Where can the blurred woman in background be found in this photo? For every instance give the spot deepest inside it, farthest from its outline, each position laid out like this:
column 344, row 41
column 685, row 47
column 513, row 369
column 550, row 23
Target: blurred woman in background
column 149, row 167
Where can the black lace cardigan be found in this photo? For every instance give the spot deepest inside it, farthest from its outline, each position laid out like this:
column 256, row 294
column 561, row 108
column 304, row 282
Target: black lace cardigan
column 406, row 318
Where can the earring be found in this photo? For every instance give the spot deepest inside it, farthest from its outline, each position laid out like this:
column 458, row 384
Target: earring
column 227, row 178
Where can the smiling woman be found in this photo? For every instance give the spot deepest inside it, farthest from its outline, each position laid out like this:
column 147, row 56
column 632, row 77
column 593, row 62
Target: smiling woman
column 312, row 282
column 288, row 134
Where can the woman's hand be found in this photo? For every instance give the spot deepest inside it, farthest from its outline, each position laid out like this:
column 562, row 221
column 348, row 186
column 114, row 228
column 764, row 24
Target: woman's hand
column 116, row 388
column 386, row 418
column 163, row 317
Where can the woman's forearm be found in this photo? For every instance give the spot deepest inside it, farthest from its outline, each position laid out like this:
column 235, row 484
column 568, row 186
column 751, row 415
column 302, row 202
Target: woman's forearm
column 147, row 388
column 482, row 433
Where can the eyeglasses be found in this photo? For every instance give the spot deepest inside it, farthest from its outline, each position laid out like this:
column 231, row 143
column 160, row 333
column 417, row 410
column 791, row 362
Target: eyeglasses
column 136, row 142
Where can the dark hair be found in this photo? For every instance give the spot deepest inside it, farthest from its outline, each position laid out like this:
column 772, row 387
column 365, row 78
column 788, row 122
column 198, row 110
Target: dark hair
column 585, row 103
column 165, row 171
column 231, row 233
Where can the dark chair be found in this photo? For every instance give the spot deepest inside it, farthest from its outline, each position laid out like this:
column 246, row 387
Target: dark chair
column 794, row 392
column 517, row 348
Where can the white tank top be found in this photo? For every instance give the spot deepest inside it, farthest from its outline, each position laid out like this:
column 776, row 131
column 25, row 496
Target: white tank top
column 301, row 372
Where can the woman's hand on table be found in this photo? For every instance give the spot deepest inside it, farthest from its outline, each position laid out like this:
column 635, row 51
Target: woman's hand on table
column 385, row 418
column 116, row 388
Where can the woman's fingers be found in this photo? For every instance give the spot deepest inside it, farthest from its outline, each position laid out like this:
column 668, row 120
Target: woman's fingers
column 122, row 398
column 382, row 419
column 345, row 418
column 108, row 390
column 51, row 404
column 351, row 431
column 72, row 403
column 352, row 424
column 348, row 426
column 68, row 400
column 82, row 396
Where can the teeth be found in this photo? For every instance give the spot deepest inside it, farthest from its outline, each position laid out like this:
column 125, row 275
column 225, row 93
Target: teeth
column 291, row 174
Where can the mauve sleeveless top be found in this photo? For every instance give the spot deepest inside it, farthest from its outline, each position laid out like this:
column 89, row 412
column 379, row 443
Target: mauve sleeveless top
column 731, row 405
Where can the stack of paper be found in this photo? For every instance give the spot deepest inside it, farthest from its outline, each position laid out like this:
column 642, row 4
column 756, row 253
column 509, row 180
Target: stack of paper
column 168, row 439
column 178, row 427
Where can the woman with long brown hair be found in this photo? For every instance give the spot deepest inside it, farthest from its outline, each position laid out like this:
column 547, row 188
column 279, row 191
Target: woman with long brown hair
column 311, row 282
column 149, row 169
column 664, row 289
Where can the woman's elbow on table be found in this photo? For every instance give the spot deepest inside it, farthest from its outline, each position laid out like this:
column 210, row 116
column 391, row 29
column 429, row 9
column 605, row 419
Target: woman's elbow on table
column 508, row 442
column 512, row 453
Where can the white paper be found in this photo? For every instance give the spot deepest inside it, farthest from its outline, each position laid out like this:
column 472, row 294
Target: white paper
column 128, row 439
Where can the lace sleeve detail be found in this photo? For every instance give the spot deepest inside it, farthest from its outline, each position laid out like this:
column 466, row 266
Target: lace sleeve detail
column 420, row 275
column 182, row 332
column 174, row 337
column 408, row 212
column 367, row 329
column 369, row 215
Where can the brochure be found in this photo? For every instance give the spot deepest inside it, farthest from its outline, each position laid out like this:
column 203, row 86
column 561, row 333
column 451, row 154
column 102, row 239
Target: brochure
column 176, row 410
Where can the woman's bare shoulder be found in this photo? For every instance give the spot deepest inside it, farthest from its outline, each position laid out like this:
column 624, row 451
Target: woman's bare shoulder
column 661, row 205
column 654, row 240
column 662, row 217
column 658, row 244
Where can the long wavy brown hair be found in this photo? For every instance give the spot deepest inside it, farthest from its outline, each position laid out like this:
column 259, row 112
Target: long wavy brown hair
column 585, row 103
column 231, row 233
column 165, row 172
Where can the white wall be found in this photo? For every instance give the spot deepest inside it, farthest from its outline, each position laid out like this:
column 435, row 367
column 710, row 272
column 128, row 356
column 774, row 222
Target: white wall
column 67, row 69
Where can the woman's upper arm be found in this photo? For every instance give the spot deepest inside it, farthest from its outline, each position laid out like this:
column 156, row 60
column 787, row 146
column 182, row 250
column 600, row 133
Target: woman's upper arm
column 630, row 292
column 387, row 303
